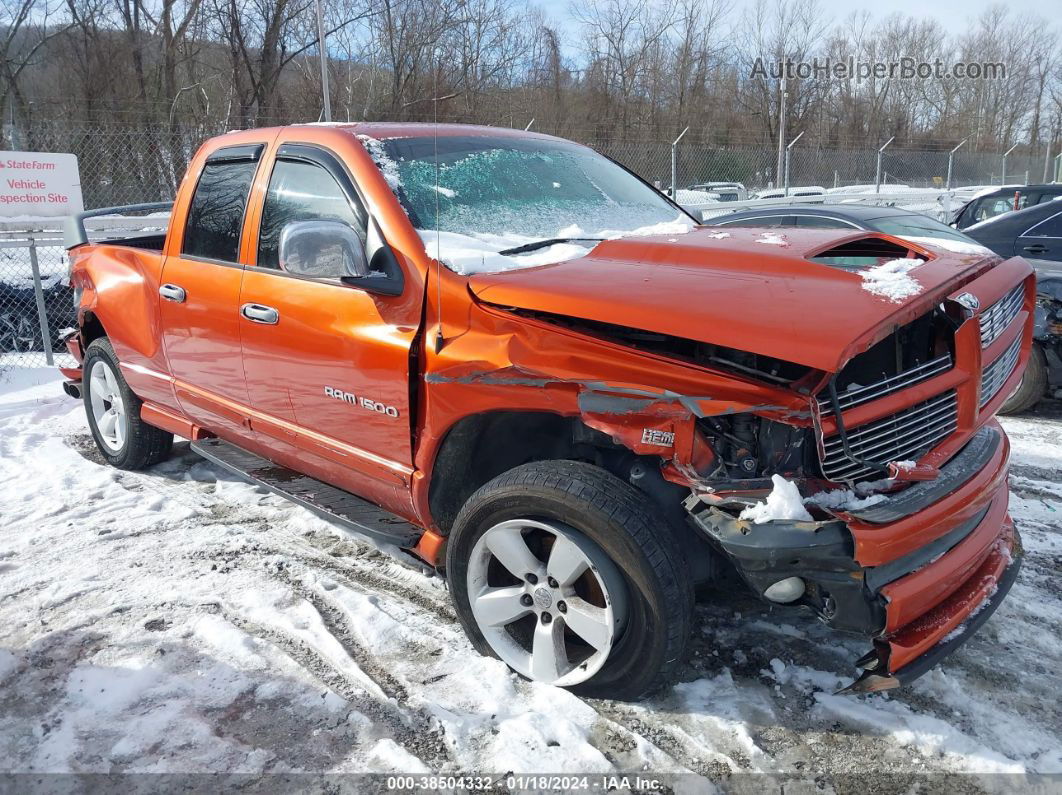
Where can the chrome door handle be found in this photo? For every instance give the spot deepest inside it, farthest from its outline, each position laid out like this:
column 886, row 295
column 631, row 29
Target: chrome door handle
column 171, row 292
column 257, row 313
column 1036, row 248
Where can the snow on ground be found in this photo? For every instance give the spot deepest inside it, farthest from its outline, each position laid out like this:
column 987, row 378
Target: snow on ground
column 180, row 620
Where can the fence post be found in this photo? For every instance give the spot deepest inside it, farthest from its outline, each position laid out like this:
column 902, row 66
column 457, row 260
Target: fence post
column 674, row 164
column 787, row 149
column 877, row 169
column 1003, row 176
column 951, row 154
column 42, row 311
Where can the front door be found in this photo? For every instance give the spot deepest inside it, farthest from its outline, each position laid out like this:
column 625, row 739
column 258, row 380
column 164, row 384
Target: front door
column 1043, row 240
column 200, row 291
column 327, row 363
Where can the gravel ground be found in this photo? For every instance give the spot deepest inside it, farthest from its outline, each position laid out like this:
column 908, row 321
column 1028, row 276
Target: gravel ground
column 177, row 620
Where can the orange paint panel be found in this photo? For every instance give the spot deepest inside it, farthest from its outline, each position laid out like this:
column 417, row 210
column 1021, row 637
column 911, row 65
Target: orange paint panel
column 927, row 630
column 911, row 596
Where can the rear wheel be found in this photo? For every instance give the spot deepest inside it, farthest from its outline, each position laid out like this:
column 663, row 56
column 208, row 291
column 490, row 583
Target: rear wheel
column 113, row 412
column 1031, row 388
column 559, row 569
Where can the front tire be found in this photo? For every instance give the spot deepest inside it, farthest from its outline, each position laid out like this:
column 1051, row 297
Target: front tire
column 559, row 569
column 1032, row 387
column 113, row 411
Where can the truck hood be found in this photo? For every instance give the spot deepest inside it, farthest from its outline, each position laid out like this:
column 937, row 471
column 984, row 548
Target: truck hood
column 753, row 290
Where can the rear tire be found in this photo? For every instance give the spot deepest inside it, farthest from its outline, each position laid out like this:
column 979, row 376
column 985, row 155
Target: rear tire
column 1032, row 387
column 113, row 411
column 632, row 563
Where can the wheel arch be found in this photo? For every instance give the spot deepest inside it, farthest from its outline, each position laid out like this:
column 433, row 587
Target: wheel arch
column 479, row 447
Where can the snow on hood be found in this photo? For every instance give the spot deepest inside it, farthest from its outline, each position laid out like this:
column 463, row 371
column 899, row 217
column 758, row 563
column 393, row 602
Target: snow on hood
column 892, row 279
column 467, row 255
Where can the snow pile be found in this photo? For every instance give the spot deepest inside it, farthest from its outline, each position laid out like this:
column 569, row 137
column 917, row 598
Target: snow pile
column 954, row 246
column 772, row 239
column 719, row 235
column 470, row 254
column 387, row 166
column 892, row 279
column 843, row 500
column 784, row 502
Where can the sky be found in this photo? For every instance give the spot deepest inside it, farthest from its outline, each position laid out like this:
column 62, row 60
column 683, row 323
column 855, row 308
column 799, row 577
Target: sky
column 950, row 13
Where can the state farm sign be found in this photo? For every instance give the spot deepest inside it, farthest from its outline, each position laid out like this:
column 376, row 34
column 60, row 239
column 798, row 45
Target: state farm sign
column 39, row 184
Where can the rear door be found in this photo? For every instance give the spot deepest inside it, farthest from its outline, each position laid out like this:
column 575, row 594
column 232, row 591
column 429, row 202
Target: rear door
column 327, row 363
column 200, row 292
column 1042, row 240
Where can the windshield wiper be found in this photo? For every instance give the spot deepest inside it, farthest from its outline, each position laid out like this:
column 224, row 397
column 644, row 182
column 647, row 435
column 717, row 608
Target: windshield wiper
column 547, row 243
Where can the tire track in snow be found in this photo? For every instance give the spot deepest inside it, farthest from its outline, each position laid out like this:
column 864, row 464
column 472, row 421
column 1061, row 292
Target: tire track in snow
column 424, row 739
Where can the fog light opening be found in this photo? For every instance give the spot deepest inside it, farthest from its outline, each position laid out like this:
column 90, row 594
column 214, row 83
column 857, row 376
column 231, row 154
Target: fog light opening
column 784, row 591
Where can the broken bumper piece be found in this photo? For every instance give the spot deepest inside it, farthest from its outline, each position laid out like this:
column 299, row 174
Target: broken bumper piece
column 918, row 577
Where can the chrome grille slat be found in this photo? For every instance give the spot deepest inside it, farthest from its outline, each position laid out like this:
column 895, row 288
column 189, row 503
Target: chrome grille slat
column 996, row 374
column 1000, row 315
column 900, row 436
column 887, row 386
column 908, row 443
column 888, row 424
column 911, row 431
column 901, row 454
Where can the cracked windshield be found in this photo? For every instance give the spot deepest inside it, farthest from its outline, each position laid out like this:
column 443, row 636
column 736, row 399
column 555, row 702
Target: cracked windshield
column 508, row 203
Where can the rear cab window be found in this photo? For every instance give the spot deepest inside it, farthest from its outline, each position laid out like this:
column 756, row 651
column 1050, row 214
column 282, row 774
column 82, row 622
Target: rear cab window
column 215, row 214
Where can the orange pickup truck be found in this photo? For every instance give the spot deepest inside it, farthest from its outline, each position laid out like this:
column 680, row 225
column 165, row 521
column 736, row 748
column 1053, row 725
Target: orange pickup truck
column 512, row 358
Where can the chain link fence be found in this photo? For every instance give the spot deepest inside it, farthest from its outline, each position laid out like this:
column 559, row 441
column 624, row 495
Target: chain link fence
column 132, row 164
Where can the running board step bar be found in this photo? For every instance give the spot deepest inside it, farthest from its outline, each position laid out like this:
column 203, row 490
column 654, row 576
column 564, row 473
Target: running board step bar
column 326, row 501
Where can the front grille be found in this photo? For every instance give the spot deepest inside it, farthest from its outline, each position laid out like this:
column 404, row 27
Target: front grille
column 996, row 374
column 886, row 386
column 903, row 436
column 998, row 316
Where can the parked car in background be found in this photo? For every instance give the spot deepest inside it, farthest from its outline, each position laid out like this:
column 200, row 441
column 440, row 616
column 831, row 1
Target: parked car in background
column 1004, row 200
column 726, row 191
column 800, row 190
column 890, row 220
column 1034, row 233
column 20, row 325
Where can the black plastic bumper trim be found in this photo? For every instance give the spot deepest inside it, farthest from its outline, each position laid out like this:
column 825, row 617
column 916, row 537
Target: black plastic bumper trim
column 970, row 460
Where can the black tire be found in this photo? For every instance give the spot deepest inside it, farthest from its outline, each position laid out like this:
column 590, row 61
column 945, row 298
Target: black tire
column 617, row 517
column 1033, row 385
column 144, row 444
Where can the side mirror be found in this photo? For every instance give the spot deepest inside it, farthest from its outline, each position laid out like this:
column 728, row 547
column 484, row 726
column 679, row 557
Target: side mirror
column 323, row 249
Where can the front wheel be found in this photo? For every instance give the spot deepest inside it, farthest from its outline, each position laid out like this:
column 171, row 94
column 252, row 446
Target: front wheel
column 559, row 569
column 113, row 412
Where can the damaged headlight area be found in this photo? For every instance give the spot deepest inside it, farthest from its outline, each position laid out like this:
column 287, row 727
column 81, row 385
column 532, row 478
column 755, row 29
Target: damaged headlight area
column 797, row 563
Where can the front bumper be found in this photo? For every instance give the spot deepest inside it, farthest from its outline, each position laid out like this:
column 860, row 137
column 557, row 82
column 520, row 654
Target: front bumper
column 918, row 573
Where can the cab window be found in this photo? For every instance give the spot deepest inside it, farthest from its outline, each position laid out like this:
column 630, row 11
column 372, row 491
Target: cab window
column 301, row 191
column 215, row 215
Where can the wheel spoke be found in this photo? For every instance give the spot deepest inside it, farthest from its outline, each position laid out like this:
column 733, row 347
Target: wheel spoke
column 98, row 388
column 549, row 660
column 511, row 550
column 496, row 607
column 566, row 562
column 106, row 423
column 112, row 384
column 589, row 622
